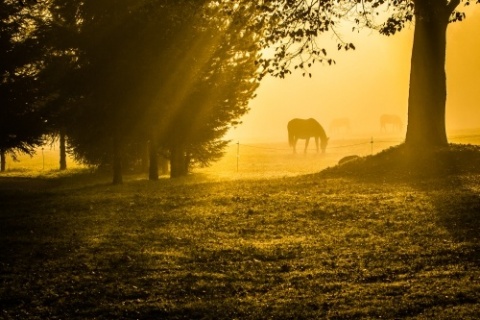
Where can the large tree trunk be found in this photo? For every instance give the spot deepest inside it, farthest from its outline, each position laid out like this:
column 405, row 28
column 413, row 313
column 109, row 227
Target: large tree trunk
column 428, row 92
column 117, row 162
column 3, row 160
column 63, row 150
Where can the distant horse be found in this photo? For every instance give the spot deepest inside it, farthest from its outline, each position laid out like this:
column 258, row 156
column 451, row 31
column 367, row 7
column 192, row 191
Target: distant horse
column 339, row 125
column 391, row 120
column 305, row 129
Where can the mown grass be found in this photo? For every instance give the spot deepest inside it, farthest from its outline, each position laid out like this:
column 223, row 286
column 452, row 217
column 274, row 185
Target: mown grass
column 318, row 246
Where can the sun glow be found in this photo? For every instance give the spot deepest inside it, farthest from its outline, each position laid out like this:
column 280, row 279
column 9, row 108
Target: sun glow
column 365, row 83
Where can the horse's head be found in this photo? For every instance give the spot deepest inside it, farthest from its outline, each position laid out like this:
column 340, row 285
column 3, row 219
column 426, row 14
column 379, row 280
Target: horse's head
column 323, row 144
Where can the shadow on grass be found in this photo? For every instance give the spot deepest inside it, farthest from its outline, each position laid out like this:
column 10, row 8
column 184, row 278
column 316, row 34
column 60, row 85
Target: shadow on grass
column 458, row 209
column 410, row 165
column 449, row 176
column 138, row 252
column 25, row 184
column 124, row 255
column 40, row 181
column 61, row 257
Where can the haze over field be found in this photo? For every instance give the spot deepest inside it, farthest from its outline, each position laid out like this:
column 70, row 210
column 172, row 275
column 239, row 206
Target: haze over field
column 365, row 83
column 122, row 197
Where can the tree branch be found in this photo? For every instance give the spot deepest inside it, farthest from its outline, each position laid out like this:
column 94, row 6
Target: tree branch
column 452, row 5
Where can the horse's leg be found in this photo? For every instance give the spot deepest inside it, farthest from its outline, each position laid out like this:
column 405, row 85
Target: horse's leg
column 306, row 144
column 295, row 145
column 316, row 143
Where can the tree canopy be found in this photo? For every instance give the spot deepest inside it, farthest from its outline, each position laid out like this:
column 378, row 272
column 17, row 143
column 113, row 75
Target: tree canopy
column 295, row 28
column 21, row 119
column 175, row 73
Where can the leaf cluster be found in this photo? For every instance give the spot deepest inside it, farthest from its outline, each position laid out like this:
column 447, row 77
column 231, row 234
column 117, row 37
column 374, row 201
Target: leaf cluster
column 22, row 122
column 298, row 33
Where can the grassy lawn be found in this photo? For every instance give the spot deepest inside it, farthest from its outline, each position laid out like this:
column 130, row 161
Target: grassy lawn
column 304, row 247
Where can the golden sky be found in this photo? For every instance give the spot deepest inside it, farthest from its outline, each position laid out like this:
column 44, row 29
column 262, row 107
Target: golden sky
column 366, row 83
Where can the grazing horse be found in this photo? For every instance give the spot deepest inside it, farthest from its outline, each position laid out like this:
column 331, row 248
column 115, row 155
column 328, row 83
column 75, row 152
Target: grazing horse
column 305, row 129
column 339, row 125
column 389, row 119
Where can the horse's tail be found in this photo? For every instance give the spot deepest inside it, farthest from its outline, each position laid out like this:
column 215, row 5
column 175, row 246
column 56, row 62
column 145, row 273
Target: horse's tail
column 290, row 138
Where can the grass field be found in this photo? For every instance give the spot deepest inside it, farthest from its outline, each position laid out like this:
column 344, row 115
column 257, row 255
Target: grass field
column 250, row 160
column 273, row 240
column 275, row 159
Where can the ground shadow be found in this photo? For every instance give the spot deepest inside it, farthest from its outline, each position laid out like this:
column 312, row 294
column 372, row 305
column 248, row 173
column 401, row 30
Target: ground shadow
column 448, row 176
column 457, row 206
column 406, row 164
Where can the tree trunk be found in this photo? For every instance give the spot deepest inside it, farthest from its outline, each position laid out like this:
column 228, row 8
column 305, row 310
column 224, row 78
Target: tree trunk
column 428, row 93
column 163, row 161
column 145, row 156
column 153, row 152
column 63, row 150
column 186, row 163
column 177, row 162
column 117, row 161
column 3, row 160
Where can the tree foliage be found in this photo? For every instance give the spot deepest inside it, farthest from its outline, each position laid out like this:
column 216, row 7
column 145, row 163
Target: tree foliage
column 296, row 29
column 218, row 86
column 21, row 116
column 179, row 73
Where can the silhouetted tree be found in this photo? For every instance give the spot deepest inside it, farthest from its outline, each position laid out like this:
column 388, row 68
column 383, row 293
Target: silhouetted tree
column 164, row 71
column 214, row 91
column 63, row 80
column 61, row 95
column 295, row 27
column 108, row 66
column 21, row 120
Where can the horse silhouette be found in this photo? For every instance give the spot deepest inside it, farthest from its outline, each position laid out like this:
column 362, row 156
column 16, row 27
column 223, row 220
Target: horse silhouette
column 391, row 120
column 305, row 129
column 340, row 124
